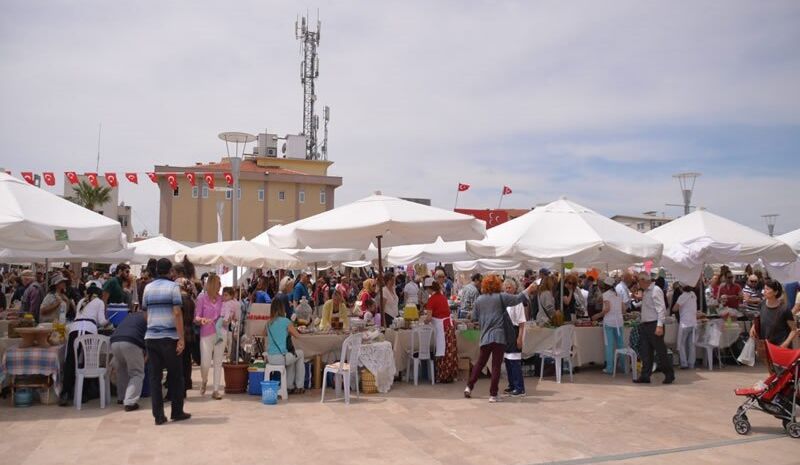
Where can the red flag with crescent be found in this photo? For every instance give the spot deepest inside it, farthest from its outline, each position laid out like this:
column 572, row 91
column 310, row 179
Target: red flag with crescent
column 111, row 179
column 28, row 176
column 190, row 177
column 93, row 179
column 209, row 179
column 49, row 178
column 72, row 177
column 506, row 190
column 463, row 187
column 229, row 178
column 173, row 181
column 132, row 177
column 153, row 177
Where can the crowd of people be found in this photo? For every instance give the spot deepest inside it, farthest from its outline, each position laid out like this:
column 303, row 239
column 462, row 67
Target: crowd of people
column 178, row 320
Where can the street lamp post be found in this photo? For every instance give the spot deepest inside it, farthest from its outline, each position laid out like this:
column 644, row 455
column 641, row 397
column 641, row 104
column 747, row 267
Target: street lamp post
column 770, row 219
column 235, row 139
column 687, row 181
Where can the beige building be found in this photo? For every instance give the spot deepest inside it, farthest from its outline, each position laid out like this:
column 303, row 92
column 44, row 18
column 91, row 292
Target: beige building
column 272, row 191
column 647, row 221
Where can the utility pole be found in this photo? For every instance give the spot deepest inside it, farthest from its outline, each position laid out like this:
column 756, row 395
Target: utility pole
column 309, row 72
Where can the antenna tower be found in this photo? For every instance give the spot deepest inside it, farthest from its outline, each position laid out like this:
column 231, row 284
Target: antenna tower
column 309, row 71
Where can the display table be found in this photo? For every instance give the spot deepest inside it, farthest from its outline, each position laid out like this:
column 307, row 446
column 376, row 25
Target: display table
column 378, row 358
column 468, row 343
column 6, row 343
column 319, row 344
column 32, row 361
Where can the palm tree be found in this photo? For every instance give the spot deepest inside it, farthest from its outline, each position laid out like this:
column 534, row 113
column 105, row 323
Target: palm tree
column 88, row 196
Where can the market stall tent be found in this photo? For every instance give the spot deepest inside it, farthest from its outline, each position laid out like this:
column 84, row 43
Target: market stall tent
column 33, row 219
column 701, row 238
column 239, row 253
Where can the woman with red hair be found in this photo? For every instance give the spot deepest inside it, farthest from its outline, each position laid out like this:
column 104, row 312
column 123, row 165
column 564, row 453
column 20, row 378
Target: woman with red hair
column 489, row 311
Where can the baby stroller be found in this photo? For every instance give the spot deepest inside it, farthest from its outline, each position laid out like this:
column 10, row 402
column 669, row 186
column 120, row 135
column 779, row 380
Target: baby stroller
column 777, row 395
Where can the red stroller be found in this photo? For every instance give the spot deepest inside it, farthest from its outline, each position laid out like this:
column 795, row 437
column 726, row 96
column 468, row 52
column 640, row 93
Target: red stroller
column 778, row 394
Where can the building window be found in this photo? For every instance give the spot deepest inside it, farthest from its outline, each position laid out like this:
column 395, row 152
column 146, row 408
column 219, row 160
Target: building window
column 640, row 226
column 323, row 198
column 194, row 192
column 176, row 192
column 239, row 194
column 281, row 195
column 301, row 196
column 123, row 220
column 228, row 194
column 261, row 195
column 205, row 192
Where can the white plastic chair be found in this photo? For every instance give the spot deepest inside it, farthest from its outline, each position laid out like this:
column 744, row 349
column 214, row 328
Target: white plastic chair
column 420, row 351
column 269, row 369
column 562, row 349
column 96, row 354
column 346, row 368
column 625, row 352
column 710, row 342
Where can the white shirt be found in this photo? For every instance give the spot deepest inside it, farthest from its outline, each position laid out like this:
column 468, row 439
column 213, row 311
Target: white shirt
column 624, row 293
column 411, row 293
column 390, row 302
column 614, row 316
column 687, row 309
column 517, row 314
column 653, row 306
column 94, row 310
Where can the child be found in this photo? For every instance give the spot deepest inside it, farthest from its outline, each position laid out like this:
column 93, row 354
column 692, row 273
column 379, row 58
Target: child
column 230, row 314
column 370, row 314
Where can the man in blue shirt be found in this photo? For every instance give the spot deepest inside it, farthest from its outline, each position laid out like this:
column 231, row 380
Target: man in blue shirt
column 301, row 289
column 164, row 341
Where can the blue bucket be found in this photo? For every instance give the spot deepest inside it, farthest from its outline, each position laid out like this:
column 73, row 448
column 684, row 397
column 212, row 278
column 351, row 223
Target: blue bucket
column 116, row 313
column 269, row 392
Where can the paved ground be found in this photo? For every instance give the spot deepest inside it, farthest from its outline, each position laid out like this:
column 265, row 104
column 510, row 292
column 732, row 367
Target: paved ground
column 594, row 420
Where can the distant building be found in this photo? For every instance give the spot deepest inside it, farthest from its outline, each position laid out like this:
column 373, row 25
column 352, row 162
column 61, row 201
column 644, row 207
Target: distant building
column 112, row 209
column 273, row 191
column 419, row 201
column 494, row 217
column 647, row 221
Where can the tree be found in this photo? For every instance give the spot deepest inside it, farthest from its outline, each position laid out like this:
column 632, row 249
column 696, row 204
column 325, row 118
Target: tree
column 88, row 196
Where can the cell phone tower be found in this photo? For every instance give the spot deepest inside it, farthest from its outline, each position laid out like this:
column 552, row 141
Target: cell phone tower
column 309, row 71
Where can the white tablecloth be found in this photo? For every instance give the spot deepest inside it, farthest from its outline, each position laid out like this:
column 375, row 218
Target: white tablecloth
column 378, row 358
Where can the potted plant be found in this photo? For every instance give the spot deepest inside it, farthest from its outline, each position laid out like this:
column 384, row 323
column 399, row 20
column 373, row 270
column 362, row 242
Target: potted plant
column 235, row 370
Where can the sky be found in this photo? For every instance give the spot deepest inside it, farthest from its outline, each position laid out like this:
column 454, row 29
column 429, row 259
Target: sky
column 601, row 102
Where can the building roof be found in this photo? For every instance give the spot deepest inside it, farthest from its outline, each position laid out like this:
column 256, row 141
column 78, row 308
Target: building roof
column 643, row 217
column 247, row 166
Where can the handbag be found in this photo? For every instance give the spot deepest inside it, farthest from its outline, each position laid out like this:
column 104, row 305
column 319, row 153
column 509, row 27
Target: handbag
column 509, row 330
column 748, row 355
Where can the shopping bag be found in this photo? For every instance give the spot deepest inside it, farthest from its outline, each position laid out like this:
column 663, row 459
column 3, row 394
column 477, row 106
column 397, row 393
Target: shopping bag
column 748, row 355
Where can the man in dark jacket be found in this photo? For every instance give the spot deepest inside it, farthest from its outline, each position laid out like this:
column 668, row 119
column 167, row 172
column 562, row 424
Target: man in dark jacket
column 127, row 345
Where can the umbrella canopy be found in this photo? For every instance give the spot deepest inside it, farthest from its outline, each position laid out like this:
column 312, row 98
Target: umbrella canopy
column 489, row 264
column 136, row 252
column 396, row 221
column 568, row 232
column 239, row 253
column 35, row 220
column 156, row 247
column 437, row 252
column 327, row 256
column 792, row 238
column 702, row 237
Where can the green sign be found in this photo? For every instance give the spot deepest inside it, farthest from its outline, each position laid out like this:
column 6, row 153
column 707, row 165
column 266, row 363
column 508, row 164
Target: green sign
column 61, row 235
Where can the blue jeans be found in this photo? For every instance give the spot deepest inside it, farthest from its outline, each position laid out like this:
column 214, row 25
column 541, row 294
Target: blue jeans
column 614, row 341
column 514, row 371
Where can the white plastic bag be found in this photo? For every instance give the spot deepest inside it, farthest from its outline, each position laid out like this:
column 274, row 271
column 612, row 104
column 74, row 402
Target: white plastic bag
column 748, row 355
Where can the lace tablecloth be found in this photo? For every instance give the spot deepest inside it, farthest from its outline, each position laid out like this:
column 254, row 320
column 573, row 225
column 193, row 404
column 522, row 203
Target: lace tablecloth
column 378, row 358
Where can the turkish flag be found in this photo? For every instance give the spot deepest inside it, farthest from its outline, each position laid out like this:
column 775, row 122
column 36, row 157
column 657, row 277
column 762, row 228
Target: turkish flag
column 111, row 179
column 209, row 179
column 173, row 181
column 229, row 178
column 132, row 177
column 190, row 177
column 49, row 178
column 72, row 177
column 506, row 190
column 153, row 177
column 28, row 176
column 92, row 179
column 462, row 187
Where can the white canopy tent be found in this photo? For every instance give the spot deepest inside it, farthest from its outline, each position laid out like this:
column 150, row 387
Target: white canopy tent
column 792, row 239
column 239, row 253
column 701, row 238
column 563, row 231
column 32, row 219
column 386, row 221
column 323, row 256
column 135, row 252
column 436, row 252
column 487, row 264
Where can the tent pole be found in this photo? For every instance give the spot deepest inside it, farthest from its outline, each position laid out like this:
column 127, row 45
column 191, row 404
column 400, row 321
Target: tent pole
column 380, row 282
column 561, row 278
